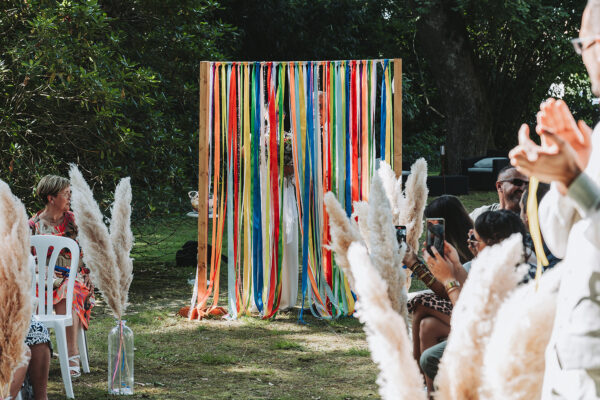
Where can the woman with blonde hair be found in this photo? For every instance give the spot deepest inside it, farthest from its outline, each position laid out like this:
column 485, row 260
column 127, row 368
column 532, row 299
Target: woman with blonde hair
column 57, row 219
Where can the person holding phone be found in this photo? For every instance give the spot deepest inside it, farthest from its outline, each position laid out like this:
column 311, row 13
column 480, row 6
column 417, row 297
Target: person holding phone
column 431, row 311
column 491, row 228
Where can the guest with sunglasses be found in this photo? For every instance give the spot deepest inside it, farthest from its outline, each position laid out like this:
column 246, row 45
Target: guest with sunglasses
column 509, row 185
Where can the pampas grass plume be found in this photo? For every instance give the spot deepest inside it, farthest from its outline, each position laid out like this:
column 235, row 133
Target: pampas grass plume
column 361, row 213
column 15, row 286
column 343, row 233
column 399, row 376
column 514, row 357
column 95, row 242
column 492, row 276
column 121, row 237
column 385, row 252
column 416, row 198
column 388, row 180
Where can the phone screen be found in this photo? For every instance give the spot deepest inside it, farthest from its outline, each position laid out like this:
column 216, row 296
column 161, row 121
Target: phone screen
column 401, row 233
column 435, row 235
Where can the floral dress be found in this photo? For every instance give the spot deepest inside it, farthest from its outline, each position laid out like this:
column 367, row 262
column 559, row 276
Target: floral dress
column 83, row 298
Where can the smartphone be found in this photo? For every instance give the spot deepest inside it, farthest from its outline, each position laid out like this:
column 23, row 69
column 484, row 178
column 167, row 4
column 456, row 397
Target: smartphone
column 400, row 234
column 435, row 235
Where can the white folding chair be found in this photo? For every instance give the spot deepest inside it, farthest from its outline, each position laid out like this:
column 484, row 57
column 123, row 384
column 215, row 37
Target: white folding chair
column 46, row 262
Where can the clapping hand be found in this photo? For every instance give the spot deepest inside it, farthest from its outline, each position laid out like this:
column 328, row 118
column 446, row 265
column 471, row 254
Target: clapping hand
column 554, row 116
column 565, row 150
column 554, row 161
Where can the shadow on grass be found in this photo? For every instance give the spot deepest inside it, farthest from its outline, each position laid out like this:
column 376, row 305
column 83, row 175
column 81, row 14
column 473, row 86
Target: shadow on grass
column 213, row 359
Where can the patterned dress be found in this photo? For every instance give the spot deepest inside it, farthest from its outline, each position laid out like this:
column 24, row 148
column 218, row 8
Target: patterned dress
column 83, row 298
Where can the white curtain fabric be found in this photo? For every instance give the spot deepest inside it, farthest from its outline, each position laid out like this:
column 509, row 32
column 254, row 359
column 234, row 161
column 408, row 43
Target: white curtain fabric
column 289, row 273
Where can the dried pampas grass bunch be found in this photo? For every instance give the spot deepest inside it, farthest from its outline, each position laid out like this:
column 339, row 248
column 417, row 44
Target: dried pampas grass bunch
column 361, row 213
column 399, row 376
column 491, row 278
column 107, row 256
column 388, row 180
column 343, row 232
column 121, row 237
column 15, row 286
column 514, row 357
column 407, row 204
column 414, row 203
column 384, row 250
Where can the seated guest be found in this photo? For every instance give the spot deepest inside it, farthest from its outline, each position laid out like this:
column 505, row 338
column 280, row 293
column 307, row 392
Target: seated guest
column 542, row 189
column 56, row 219
column 36, row 371
column 491, row 228
column 431, row 311
column 509, row 185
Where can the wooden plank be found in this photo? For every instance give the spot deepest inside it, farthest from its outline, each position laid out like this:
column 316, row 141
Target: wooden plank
column 398, row 116
column 203, row 159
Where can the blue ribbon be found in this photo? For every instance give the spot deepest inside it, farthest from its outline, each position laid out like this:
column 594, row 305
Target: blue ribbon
column 383, row 116
column 257, row 255
column 306, row 207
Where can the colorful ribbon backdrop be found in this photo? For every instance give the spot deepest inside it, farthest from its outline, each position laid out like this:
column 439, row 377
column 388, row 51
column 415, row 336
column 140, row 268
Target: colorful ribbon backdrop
column 330, row 110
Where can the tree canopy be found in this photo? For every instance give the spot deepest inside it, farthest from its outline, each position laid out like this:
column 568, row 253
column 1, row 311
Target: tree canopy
column 113, row 85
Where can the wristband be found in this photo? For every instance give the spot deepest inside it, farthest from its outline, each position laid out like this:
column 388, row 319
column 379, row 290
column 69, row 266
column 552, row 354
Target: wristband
column 453, row 288
column 451, row 285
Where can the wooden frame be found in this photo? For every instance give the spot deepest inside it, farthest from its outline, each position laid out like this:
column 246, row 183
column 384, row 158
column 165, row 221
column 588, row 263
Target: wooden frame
column 203, row 178
column 203, row 159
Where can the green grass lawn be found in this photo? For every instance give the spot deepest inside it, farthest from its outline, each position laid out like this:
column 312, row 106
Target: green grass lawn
column 218, row 359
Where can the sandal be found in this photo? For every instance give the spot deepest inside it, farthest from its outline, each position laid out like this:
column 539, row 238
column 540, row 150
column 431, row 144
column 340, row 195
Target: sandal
column 74, row 370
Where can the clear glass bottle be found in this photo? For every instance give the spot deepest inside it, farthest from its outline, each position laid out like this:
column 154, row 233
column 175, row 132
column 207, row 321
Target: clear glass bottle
column 120, row 359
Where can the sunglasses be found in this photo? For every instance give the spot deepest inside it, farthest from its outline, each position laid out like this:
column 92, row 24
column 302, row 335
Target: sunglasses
column 516, row 181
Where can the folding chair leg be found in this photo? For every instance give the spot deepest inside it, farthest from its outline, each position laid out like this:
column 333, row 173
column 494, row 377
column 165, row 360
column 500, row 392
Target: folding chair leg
column 83, row 350
column 63, row 356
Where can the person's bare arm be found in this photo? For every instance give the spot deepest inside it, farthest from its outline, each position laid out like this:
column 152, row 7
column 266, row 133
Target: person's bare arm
column 419, row 268
column 443, row 270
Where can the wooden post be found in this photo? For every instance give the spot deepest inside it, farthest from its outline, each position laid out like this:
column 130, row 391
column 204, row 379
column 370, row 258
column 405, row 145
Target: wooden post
column 203, row 159
column 398, row 116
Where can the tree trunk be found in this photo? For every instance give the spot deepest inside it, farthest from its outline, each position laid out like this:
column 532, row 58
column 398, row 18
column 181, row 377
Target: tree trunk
column 442, row 39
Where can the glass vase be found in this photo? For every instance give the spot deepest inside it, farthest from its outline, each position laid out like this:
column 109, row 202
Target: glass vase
column 120, row 359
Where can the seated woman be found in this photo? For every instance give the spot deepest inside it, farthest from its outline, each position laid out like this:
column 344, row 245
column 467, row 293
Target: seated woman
column 491, row 228
column 431, row 311
column 56, row 219
column 38, row 340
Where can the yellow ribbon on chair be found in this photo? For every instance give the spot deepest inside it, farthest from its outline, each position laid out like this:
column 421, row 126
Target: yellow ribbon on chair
column 534, row 228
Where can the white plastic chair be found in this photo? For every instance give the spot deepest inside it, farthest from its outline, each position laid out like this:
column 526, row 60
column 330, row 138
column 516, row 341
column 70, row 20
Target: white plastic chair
column 45, row 309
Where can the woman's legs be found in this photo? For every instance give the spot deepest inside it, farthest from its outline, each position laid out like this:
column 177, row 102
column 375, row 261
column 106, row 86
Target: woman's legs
column 18, row 378
column 419, row 313
column 433, row 331
column 38, row 370
column 429, row 326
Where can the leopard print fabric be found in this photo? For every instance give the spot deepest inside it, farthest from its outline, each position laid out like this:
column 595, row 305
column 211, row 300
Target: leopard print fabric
column 432, row 301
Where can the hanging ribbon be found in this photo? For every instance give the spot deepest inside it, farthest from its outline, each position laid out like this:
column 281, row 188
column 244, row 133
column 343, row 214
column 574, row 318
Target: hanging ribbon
column 330, row 109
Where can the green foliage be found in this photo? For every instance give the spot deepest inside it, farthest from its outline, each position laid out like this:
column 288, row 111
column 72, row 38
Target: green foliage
column 111, row 87
column 519, row 48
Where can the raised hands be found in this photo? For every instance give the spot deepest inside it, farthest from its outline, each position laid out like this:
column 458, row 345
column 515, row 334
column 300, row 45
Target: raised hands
column 554, row 116
column 565, row 150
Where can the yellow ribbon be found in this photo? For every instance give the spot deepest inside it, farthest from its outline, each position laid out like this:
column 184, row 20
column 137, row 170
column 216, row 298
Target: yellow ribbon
column 534, row 228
